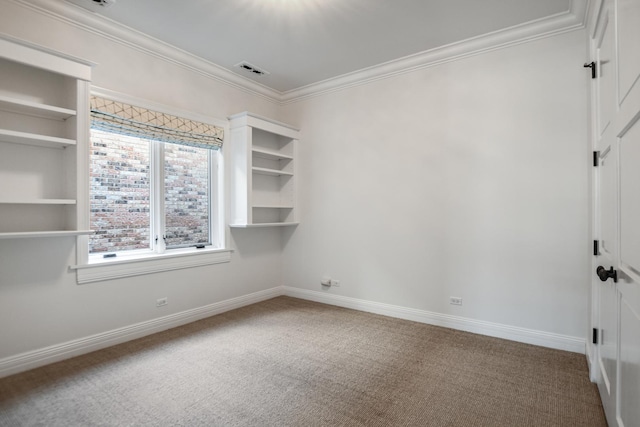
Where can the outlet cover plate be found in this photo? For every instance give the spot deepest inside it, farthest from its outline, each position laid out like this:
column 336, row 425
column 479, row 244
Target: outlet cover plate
column 455, row 300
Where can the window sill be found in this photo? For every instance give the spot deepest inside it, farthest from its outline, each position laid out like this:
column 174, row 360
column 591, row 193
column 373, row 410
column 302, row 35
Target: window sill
column 155, row 263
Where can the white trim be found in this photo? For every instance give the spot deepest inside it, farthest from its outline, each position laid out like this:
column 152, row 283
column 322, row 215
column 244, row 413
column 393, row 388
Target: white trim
column 33, row 359
column 135, row 264
column 592, row 362
column 151, row 264
column 513, row 333
column 44, row 356
column 593, row 17
column 35, row 55
column 573, row 19
column 254, row 120
column 83, row 205
column 104, row 27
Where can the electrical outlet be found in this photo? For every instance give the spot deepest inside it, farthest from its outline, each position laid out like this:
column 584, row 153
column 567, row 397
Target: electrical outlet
column 162, row 301
column 455, row 300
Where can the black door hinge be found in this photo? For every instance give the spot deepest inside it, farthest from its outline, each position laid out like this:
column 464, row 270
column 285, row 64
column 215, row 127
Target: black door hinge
column 596, row 158
column 595, row 336
column 596, row 247
column 591, row 65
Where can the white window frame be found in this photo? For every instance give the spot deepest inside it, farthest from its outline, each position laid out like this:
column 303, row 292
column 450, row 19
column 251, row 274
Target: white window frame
column 95, row 268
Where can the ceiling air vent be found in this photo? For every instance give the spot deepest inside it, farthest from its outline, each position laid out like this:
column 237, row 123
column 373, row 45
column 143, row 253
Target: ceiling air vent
column 251, row 69
column 104, row 3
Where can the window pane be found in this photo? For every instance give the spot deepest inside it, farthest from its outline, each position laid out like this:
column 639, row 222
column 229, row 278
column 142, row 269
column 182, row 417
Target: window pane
column 120, row 192
column 186, row 177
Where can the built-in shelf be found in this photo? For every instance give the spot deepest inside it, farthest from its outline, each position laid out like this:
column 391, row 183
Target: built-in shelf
column 270, row 172
column 44, row 132
column 30, row 108
column 16, row 137
column 271, row 155
column 263, row 159
column 32, row 234
column 38, row 201
column 265, row 224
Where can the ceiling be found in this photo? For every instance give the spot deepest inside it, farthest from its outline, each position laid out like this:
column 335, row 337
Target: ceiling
column 303, row 42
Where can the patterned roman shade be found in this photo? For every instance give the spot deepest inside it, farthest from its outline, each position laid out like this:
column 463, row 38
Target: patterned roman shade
column 118, row 117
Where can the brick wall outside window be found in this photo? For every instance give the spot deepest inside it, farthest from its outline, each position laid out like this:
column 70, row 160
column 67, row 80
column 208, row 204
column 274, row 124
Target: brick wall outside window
column 120, row 193
column 186, row 172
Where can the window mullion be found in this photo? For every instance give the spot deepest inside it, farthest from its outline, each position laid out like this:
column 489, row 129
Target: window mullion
column 157, row 197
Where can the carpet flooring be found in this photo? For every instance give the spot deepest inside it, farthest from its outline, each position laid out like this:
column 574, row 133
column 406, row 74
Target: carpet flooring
column 289, row 362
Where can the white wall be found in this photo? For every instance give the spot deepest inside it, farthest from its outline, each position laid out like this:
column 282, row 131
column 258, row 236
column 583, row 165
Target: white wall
column 40, row 302
column 467, row 179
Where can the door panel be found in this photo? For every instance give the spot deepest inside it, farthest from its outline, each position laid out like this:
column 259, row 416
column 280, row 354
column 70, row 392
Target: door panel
column 607, row 202
column 629, row 361
column 628, row 39
column 630, row 199
column 605, row 70
column 629, row 284
column 608, row 343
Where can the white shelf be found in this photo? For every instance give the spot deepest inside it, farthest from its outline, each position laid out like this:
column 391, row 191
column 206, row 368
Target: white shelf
column 270, row 172
column 271, row 155
column 38, row 201
column 34, row 139
column 36, row 109
column 43, row 110
column 265, row 224
column 263, row 185
column 31, row 234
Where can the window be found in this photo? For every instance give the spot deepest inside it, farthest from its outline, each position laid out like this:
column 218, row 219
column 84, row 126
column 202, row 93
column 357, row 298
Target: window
column 155, row 184
column 121, row 169
column 186, row 196
column 120, row 198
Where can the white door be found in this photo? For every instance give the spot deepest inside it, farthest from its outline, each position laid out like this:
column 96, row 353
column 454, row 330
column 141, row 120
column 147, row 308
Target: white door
column 616, row 274
column 606, row 209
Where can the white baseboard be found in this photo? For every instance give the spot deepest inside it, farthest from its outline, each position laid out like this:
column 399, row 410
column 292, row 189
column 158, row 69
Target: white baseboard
column 44, row 356
column 55, row 353
column 528, row 336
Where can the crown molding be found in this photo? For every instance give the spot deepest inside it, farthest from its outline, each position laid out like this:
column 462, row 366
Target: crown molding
column 104, row 27
column 573, row 19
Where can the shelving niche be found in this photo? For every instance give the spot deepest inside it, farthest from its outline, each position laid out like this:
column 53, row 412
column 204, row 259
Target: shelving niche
column 43, row 138
column 263, row 177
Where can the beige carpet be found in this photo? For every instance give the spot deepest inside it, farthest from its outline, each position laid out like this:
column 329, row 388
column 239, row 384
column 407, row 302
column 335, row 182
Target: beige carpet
column 288, row 362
